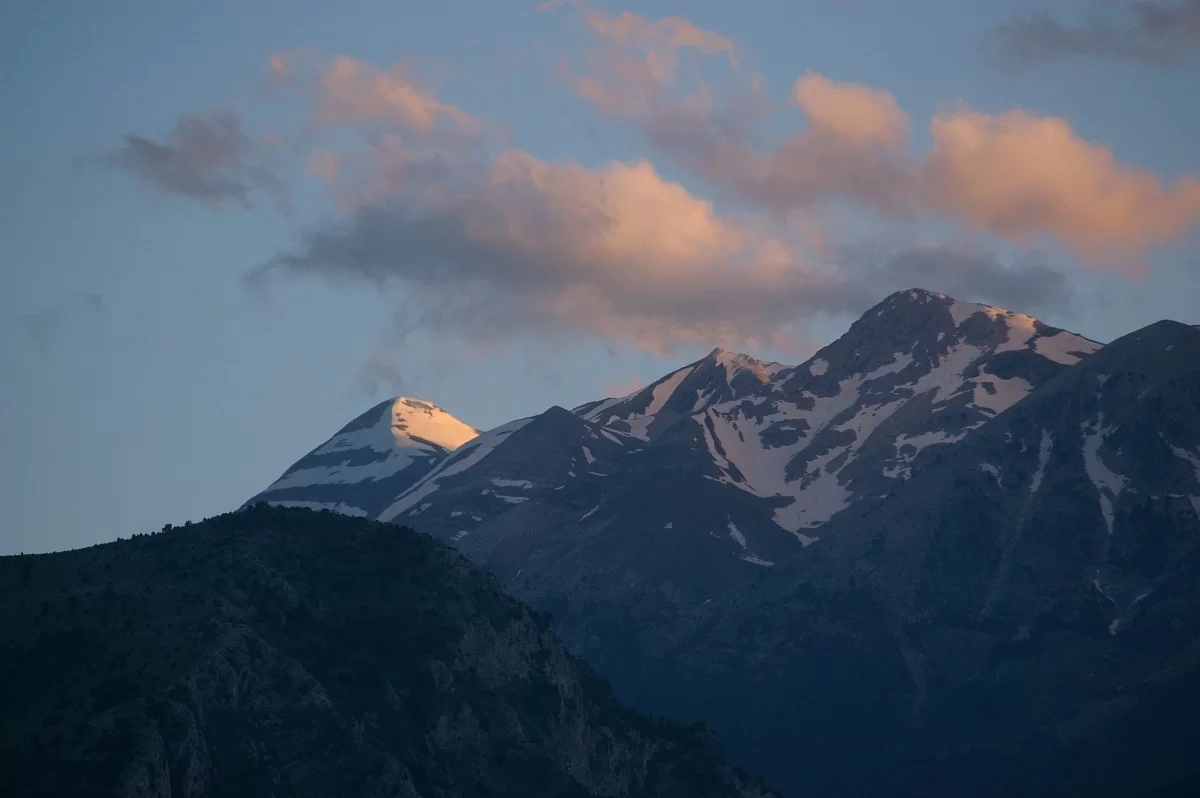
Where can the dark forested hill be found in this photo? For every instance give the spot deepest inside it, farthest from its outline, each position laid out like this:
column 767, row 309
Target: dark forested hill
column 290, row 652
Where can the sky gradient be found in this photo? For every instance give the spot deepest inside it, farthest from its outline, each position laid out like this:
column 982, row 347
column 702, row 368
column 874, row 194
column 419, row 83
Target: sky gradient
column 228, row 228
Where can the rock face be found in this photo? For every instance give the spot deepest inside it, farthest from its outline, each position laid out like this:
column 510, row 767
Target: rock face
column 286, row 652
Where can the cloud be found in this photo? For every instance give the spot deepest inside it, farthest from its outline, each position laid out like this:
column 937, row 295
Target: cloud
column 852, row 147
column 477, row 244
column 963, row 270
column 485, row 244
column 1161, row 33
column 1021, row 176
column 380, row 373
column 515, row 247
column 206, row 157
column 45, row 326
column 1014, row 175
column 638, row 60
column 350, row 92
column 857, row 115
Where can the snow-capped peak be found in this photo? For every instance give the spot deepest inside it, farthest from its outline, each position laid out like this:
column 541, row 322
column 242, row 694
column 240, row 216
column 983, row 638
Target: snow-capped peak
column 918, row 370
column 720, row 376
column 374, row 457
column 735, row 363
column 418, row 420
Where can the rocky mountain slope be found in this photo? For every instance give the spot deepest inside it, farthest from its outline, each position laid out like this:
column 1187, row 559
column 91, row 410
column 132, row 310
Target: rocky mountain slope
column 951, row 553
column 720, row 377
column 627, row 515
column 1021, row 618
column 283, row 652
column 915, row 373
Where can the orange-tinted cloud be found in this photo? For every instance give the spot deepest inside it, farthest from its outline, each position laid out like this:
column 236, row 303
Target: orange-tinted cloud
column 350, row 92
column 488, row 243
column 638, row 60
column 514, row 245
column 658, row 37
column 1015, row 175
column 848, row 148
column 325, row 164
column 857, row 115
column 1021, row 176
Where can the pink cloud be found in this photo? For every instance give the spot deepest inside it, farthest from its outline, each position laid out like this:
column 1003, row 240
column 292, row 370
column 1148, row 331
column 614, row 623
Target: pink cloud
column 1019, row 176
column 350, row 92
column 1014, row 175
column 513, row 244
column 858, row 115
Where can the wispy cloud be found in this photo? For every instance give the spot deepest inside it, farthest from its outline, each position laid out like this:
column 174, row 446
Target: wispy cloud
column 45, row 326
column 349, row 92
column 1155, row 32
column 964, row 270
column 207, row 157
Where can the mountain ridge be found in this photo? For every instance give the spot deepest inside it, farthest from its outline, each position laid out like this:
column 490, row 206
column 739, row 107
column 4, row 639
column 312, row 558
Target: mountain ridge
column 931, row 496
column 280, row 651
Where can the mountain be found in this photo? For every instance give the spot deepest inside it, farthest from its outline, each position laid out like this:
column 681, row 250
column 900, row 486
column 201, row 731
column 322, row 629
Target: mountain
column 915, row 373
column 1022, row 617
column 916, row 558
column 371, row 460
column 589, row 523
column 286, row 652
column 720, row 377
column 626, row 515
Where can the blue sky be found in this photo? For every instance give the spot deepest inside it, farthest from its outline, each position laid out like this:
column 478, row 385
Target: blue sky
column 147, row 381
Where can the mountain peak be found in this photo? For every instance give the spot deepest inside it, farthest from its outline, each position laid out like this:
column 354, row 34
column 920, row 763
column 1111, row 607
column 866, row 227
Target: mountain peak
column 720, row 376
column 384, row 450
column 418, row 419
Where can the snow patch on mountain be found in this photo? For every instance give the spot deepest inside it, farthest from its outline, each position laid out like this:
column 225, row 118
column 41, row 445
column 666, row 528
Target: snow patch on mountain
column 1044, row 448
column 512, row 483
column 459, row 461
column 1108, row 483
column 1189, row 457
column 737, row 535
column 1064, row 348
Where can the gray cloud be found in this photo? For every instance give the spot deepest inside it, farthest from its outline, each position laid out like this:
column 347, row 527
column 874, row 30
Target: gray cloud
column 967, row 272
column 1159, row 33
column 45, row 326
column 381, row 373
column 489, row 249
column 209, row 158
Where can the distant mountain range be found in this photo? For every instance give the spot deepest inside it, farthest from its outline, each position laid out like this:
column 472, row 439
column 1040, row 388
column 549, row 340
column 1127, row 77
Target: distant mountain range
column 952, row 553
